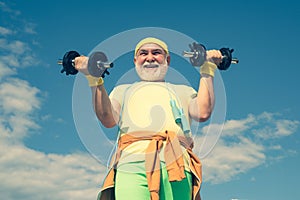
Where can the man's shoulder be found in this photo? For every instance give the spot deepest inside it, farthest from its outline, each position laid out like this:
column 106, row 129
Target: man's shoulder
column 180, row 86
column 122, row 86
column 185, row 90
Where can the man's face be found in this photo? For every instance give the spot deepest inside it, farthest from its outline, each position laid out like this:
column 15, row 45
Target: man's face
column 151, row 62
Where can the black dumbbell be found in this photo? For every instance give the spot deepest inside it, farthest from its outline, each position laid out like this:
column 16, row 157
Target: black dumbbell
column 97, row 64
column 198, row 53
column 227, row 59
column 68, row 62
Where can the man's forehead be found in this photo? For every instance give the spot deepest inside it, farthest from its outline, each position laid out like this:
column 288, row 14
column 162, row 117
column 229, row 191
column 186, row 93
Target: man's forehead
column 150, row 46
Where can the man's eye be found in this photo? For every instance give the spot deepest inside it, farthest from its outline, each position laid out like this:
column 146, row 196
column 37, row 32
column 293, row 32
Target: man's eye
column 156, row 52
column 142, row 53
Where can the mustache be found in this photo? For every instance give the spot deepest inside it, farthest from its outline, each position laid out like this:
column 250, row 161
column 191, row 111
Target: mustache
column 150, row 65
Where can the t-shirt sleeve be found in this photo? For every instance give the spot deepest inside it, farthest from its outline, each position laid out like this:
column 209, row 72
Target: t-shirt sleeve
column 118, row 93
column 186, row 94
column 192, row 93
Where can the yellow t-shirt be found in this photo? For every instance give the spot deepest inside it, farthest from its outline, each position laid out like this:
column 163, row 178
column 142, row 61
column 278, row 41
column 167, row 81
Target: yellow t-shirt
column 145, row 106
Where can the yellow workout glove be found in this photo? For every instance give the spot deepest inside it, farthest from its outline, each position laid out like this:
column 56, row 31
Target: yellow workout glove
column 94, row 81
column 208, row 68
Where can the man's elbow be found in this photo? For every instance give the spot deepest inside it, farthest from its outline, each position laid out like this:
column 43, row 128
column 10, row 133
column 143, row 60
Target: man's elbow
column 108, row 125
column 106, row 120
column 202, row 117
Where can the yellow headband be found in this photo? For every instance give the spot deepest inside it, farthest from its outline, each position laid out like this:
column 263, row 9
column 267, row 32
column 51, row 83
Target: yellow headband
column 151, row 40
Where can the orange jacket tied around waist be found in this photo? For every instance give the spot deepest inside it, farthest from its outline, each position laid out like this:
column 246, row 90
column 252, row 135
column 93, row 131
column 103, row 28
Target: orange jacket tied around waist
column 173, row 158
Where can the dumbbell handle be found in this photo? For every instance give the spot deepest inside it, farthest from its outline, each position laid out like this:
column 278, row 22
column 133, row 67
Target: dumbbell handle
column 106, row 65
column 99, row 63
column 60, row 62
column 189, row 54
column 235, row 61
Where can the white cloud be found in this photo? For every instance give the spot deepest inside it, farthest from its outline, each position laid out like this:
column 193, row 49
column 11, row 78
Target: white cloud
column 271, row 127
column 18, row 101
column 17, row 96
column 28, row 174
column 227, row 161
column 10, row 61
column 14, row 47
column 235, row 127
column 286, row 127
column 5, row 70
column 5, row 31
column 5, row 8
column 243, row 145
column 30, row 28
column 16, row 54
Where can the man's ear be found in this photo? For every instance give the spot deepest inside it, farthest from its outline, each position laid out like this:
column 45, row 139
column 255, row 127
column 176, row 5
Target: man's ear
column 168, row 60
column 134, row 59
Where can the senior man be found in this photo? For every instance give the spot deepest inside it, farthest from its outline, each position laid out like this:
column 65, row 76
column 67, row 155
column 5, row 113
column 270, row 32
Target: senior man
column 154, row 158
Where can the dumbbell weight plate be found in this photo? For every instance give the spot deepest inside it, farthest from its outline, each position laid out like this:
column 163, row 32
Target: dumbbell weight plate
column 226, row 62
column 68, row 62
column 93, row 65
column 199, row 56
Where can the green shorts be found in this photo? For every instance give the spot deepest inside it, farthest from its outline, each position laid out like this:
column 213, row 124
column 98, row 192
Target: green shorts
column 131, row 183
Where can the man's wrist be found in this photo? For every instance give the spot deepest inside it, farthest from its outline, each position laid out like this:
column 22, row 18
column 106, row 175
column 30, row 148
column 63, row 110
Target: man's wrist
column 94, row 81
column 208, row 68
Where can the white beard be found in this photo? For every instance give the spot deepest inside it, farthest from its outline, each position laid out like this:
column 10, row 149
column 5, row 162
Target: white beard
column 152, row 71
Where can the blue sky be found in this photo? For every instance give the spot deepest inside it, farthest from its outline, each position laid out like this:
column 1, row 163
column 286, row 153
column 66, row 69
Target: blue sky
column 44, row 114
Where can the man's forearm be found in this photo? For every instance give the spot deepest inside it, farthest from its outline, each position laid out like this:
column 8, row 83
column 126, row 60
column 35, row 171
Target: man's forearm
column 205, row 97
column 103, row 107
column 202, row 106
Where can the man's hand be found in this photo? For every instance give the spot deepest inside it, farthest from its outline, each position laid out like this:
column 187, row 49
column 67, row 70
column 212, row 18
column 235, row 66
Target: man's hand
column 81, row 64
column 214, row 56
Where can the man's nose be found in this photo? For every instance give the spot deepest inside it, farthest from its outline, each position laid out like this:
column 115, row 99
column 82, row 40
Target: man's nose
column 150, row 57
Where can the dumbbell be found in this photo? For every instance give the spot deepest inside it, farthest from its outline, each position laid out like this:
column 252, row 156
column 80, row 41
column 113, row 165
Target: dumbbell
column 97, row 63
column 197, row 56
